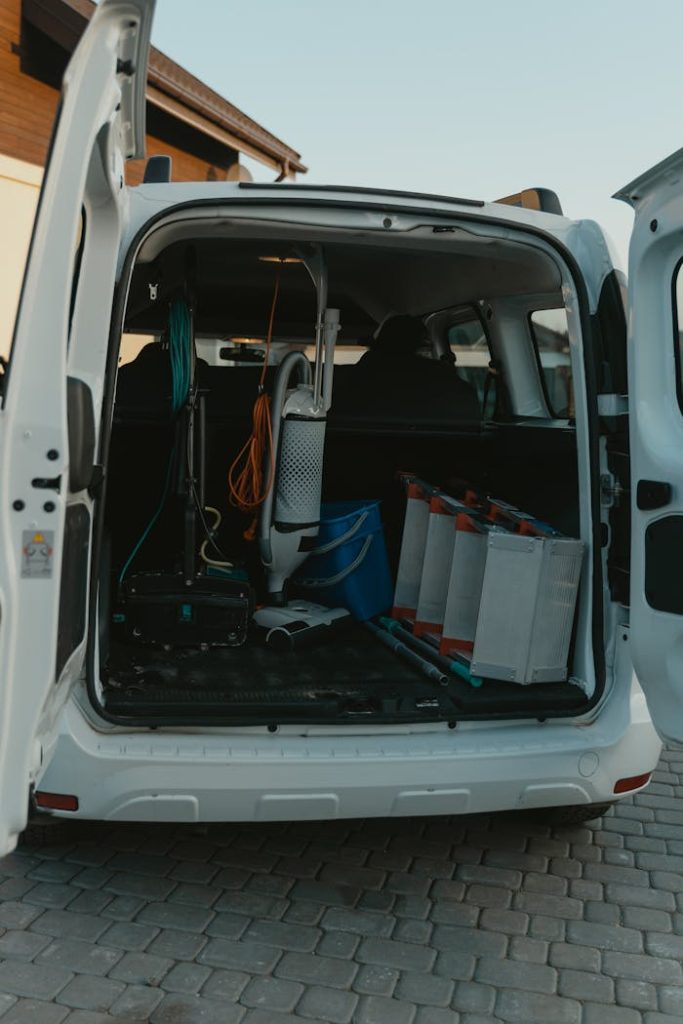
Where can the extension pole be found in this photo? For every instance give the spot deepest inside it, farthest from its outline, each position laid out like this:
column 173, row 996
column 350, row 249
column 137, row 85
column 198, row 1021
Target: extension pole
column 421, row 664
column 448, row 664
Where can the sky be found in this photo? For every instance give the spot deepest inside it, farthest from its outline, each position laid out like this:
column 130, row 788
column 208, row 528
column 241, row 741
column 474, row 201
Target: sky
column 477, row 99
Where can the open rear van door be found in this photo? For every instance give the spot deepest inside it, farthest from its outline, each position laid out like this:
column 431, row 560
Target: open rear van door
column 50, row 412
column 655, row 354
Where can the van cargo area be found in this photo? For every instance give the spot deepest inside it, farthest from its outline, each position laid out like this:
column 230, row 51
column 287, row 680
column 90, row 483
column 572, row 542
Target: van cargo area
column 448, row 411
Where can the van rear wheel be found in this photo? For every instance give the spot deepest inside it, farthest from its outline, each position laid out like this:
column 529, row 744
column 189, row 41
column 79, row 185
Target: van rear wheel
column 576, row 814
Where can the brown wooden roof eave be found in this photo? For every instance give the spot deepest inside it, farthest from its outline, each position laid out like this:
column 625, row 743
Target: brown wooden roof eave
column 64, row 21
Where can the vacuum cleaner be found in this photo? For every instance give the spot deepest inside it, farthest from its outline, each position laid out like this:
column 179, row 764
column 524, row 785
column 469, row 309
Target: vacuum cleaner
column 290, row 515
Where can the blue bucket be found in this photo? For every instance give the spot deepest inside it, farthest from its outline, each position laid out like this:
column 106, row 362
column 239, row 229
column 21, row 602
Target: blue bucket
column 349, row 567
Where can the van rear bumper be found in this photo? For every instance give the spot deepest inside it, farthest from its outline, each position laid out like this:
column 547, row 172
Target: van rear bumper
column 258, row 776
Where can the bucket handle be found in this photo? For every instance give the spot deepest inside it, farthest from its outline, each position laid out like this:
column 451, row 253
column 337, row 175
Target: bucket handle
column 346, row 571
column 338, row 541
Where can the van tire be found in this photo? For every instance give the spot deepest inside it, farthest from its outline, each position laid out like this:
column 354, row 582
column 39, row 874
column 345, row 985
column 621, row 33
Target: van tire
column 576, row 814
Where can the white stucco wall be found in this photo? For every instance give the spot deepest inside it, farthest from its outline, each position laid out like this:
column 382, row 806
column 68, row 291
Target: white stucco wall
column 19, row 190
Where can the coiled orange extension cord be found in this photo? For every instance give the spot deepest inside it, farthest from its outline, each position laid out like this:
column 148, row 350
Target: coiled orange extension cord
column 246, row 485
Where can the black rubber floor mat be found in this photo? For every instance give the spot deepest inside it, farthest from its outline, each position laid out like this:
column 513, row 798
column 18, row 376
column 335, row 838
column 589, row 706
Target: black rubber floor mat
column 352, row 676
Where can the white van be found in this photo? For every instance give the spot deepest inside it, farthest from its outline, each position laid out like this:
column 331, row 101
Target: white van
column 96, row 727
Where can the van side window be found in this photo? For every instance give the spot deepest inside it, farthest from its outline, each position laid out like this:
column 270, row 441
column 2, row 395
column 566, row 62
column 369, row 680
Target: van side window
column 550, row 334
column 469, row 345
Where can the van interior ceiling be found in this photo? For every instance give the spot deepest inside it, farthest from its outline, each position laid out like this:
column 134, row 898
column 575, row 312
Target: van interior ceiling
column 209, row 484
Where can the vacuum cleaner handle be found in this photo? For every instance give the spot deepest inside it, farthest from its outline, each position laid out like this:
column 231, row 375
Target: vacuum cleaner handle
column 291, row 361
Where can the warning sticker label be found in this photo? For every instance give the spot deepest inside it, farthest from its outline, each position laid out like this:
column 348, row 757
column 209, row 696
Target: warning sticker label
column 37, row 554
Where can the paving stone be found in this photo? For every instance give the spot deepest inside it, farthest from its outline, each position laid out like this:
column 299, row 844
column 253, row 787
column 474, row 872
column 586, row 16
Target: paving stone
column 588, row 933
column 296, row 937
column 22, row 945
column 448, row 890
column 6, row 1001
column 90, row 901
column 412, row 930
column 63, row 924
column 602, row 913
column 187, row 978
column 317, row 970
column 461, row 914
column 195, row 872
column 141, row 968
column 436, row 1015
column 381, row 902
column 31, row 1011
column 425, row 989
column 83, row 957
column 534, row 1008
column 601, row 1014
column 665, row 945
column 671, row 1001
column 338, row 944
column 359, row 922
column 548, row 905
column 180, row 918
column 642, row 968
column 458, row 966
column 327, row 1004
column 551, row 929
column 227, row 926
column 128, row 936
column 253, row 904
column 54, row 871
column 578, row 958
column 15, row 888
column 177, row 945
column 473, row 997
column 639, row 994
column 516, row 974
column 304, row 913
column 646, row 920
column 585, row 986
column 123, row 908
column 272, row 994
column 375, row 980
column 253, row 957
column 147, row 888
column 226, row 985
column 402, row 955
column 535, row 881
column 380, row 1010
column 33, row 980
column 469, row 940
column 667, row 880
column 485, row 875
column 512, row 922
column 140, row 863
column 90, row 993
column 176, row 1007
column 418, row 907
column 51, row 894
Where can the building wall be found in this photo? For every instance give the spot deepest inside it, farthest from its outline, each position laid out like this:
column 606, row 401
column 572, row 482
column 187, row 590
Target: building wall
column 19, row 190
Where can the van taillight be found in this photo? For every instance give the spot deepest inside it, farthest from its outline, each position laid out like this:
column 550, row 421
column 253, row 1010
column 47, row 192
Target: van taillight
column 56, row 801
column 634, row 782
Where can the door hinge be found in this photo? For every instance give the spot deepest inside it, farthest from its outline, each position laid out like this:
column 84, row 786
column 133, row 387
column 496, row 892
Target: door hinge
column 610, row 490
column 613, row 405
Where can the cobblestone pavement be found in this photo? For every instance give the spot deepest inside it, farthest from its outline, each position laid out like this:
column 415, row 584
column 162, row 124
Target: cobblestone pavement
column 420, row 921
